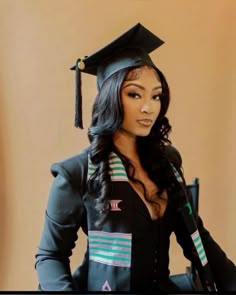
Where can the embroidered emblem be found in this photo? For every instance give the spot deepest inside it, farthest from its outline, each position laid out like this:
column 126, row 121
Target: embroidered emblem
column 106, row 286
column 189, row 208
column 114, row 205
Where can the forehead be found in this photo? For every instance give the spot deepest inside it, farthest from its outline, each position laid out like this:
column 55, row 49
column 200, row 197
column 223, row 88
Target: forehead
column 141, row 72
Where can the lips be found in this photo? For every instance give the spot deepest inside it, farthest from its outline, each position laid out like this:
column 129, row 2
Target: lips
column 145, row 122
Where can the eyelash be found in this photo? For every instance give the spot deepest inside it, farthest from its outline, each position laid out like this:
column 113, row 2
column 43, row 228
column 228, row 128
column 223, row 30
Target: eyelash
column 133, row 94
column 136, row 95
column 157, row 96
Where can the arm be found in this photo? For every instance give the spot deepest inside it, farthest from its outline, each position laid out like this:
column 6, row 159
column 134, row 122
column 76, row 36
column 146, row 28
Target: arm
column 223, row 270
column 63, row 218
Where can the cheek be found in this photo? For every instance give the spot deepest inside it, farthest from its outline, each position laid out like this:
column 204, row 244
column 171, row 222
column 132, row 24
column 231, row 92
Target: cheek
column 130, row 108
column 129, row 115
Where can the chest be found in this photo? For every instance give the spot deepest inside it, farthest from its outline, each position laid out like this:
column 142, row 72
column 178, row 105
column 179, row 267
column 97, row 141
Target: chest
column 128, row 212
column 148, row 193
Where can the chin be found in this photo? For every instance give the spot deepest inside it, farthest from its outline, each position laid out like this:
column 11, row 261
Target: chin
column 136, row 133
column 143, row 133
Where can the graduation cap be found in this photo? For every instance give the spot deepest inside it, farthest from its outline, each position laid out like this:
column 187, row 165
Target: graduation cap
column 131, row 49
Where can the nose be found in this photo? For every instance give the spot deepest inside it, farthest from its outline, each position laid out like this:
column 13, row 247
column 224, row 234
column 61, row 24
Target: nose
column 147, row 108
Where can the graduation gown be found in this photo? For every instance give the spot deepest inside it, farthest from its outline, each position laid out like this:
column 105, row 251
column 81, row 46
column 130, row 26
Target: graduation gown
column 130, row 251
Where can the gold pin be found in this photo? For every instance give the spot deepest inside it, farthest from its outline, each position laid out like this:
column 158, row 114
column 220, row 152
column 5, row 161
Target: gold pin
column 81, row 65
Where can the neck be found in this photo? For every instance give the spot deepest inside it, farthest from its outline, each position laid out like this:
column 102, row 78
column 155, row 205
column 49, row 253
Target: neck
column 126, row 144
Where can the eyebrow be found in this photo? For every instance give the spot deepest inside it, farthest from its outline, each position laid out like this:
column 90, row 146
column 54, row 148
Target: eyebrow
column 140, row 86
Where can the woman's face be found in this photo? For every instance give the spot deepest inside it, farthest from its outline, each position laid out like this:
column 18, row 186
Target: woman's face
column 140, row 97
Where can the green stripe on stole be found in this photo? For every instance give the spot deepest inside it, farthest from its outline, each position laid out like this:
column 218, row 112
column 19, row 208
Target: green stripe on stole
column 196, row 238
column 110, row 248
column 116, row 168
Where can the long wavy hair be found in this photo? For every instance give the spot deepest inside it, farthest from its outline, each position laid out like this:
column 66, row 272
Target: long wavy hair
column 107, row 117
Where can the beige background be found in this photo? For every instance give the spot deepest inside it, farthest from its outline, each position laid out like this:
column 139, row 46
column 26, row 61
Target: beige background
column 41, row 39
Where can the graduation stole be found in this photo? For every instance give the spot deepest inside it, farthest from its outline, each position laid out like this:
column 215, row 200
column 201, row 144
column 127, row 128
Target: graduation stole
column 191, row 225
column 116, row 168
column 117, row 173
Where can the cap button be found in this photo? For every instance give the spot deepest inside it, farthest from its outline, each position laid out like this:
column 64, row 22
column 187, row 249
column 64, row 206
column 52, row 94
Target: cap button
column 81, row 65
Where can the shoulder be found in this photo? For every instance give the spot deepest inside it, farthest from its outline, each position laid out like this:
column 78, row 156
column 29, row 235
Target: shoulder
column 173, row 156
column 65, row 201
column 72, row 168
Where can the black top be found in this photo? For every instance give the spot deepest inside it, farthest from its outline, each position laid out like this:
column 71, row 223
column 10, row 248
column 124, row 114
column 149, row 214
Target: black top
column 129, row 252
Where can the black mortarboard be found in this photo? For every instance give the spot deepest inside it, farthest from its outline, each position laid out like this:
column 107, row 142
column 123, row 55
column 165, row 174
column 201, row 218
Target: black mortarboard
column 128, row 50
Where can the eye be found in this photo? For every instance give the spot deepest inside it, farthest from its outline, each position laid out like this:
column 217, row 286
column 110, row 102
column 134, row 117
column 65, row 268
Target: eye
column 157, row 96
column 134, row 95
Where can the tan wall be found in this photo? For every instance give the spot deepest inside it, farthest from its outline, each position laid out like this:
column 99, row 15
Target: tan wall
column 41, row 39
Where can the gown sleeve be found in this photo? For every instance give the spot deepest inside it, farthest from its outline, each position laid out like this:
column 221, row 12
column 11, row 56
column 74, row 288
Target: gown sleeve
column 222, row 268
column 63, row 218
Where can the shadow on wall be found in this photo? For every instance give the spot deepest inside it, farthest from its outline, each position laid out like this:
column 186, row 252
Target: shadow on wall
column 3, row 199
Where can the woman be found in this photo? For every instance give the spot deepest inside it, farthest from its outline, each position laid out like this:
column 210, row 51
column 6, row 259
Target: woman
column 126, row 191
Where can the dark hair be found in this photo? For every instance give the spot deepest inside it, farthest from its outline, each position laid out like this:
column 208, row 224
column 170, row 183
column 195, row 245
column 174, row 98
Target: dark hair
column 107, row 117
